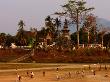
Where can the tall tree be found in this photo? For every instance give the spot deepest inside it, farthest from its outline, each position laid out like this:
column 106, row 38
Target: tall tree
column 76, row 11
column 50, row 28
column 89, row 26
column 21, row 38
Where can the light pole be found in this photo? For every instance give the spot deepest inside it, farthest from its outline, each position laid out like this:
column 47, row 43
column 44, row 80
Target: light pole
column 77, row 21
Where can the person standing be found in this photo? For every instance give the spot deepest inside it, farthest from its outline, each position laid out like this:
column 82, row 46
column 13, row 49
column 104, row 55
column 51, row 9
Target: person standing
column 57, row 69
column 19, row 78
column 32, row 75
column 27, row 73
column 69, row 74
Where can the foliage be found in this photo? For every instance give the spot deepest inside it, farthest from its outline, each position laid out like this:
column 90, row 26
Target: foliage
column 107, row 40
column 9, row 39
column 49, row 24
column 77, row 14
column 21, row 38
column 2, row 39
column 21, row 24
column 76, row 10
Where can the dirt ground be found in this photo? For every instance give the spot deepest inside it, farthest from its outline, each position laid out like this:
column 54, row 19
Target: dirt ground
column 62, row 75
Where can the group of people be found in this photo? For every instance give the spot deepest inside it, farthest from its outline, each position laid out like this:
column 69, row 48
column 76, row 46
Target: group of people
column 82, row 73
column 31, row 74
column 19, row 78
column 78, row 73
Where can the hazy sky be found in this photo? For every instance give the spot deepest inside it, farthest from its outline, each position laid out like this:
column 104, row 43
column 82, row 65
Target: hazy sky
column 33, row 12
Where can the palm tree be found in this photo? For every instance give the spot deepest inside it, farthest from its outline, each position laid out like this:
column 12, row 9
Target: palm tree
column 50, row 27
column 57, row 23
column 49, row 24
column 20, row 35
column 21, row 24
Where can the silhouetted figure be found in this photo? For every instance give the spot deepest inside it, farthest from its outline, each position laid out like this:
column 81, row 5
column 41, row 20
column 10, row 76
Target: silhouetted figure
column 69, row 74
column 105, row 67
column 94, row 73
column 57, row 69
column 100, row 67
column 27, row 73
column 89, row 67
column 43, row 73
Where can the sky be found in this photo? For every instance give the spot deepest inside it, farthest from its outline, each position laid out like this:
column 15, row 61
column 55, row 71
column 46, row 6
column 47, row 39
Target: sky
column 33, row 12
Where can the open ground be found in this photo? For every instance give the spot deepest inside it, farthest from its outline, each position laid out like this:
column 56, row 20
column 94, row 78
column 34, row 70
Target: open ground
column 54, row 72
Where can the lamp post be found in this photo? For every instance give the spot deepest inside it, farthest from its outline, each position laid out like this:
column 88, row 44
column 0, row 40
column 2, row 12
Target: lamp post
column 77, row 22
